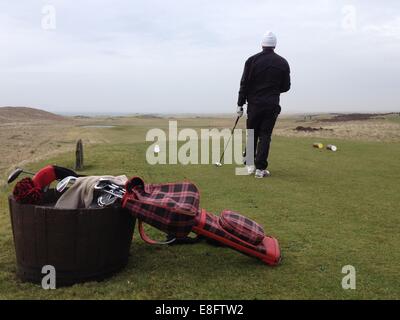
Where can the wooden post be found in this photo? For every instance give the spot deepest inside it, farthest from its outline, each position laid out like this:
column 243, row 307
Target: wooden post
column 79, row 155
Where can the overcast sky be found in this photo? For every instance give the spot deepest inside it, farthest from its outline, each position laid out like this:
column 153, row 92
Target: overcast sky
column 187, row 56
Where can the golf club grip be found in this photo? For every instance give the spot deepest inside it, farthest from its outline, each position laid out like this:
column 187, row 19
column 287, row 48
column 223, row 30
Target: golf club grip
column 236, row 122
column 62, row 173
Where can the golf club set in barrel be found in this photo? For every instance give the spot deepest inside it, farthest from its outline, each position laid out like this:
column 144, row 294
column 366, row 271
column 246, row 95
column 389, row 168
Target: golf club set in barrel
column 173, row 208
column 109, row 192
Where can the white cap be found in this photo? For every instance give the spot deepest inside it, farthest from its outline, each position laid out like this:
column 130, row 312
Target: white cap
column 269, row 40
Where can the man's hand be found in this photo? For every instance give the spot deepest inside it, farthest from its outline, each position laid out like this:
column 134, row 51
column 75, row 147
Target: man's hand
column 239, row 111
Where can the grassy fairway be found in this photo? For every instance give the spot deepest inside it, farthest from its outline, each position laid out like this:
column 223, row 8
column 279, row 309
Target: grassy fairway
column 327, row 210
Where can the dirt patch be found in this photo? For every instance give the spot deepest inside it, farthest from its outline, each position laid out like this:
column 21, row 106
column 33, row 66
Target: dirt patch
column 373, row 130
column 310, row 129
column 354, row 117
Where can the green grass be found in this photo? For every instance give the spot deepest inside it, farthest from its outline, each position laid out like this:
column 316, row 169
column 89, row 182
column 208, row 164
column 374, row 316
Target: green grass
column 327, row 210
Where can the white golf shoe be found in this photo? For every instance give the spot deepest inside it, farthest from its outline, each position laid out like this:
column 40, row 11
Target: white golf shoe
column 251, row 169
column 262, row 173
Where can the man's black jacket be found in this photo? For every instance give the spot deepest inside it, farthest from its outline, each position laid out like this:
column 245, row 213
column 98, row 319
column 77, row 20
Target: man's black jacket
column 266, row 75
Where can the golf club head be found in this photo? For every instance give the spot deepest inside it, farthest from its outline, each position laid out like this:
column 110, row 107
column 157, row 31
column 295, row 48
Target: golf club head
column 102, row 184
column 218, row 164
column 109, row 187
column 106, row 200
column 14, row 175
column 63, row 184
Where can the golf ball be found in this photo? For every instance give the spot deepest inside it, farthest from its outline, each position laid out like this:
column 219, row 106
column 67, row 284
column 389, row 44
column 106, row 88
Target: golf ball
column 331, row 147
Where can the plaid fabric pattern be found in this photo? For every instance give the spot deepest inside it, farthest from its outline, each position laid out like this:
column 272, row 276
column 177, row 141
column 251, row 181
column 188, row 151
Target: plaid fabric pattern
column 213, row 225
column 242, row 227
column 169, row 207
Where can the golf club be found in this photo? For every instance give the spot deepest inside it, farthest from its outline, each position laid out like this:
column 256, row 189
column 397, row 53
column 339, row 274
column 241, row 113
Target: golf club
column 219, row 164
column 45, row 175
column 112, row 192
column 106, row 200
column 110, row 188
column 16, row 173
column 64, row 183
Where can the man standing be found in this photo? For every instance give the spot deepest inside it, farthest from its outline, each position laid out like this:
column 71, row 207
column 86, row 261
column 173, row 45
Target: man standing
column 266, row 75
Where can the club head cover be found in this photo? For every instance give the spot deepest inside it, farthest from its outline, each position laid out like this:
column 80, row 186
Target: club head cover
column 26, row 191
column 50, row 173
column 62, row 172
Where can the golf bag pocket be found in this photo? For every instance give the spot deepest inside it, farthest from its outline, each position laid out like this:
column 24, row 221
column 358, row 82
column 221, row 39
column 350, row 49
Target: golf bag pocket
column 169, row 207
column 242, row 227
column 239, row 233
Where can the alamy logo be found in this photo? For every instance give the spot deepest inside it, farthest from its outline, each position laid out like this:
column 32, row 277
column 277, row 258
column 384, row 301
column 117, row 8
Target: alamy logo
column 194, row 148
column 349, row 280
column 349, row 18
column 49, row 280
column 49, row 17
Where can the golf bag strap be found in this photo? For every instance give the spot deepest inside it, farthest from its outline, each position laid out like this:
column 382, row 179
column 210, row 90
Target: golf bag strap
column 147, row 239
column 203, row 216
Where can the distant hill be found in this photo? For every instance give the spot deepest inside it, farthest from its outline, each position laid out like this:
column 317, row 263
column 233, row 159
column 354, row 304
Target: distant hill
column 24, row 114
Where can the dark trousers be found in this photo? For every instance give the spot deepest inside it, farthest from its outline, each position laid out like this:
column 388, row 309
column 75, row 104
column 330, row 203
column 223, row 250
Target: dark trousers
column 262, row 121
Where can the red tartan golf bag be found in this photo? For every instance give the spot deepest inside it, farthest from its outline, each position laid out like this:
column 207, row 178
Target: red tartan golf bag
column 174, row 209
column 169, row 207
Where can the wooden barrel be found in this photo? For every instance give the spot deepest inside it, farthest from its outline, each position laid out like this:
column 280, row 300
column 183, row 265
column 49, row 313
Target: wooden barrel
column 82, row 244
